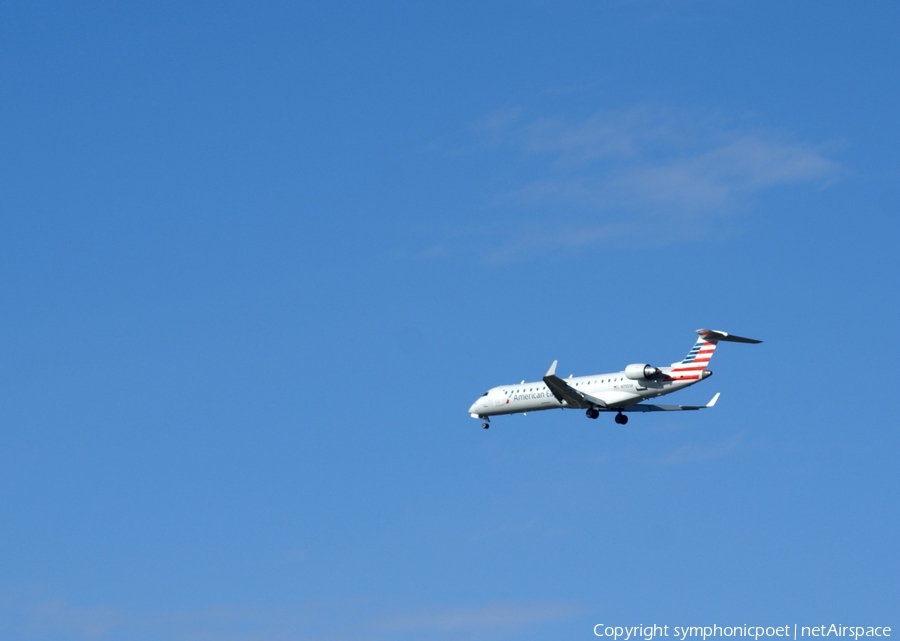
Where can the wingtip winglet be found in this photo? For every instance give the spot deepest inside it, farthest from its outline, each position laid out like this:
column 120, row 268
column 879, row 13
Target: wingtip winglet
column 552, row 370
column 714, row 399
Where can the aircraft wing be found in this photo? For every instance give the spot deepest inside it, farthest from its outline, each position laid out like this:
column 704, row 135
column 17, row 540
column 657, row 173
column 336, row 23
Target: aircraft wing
column 567, row 394
column 641, row 407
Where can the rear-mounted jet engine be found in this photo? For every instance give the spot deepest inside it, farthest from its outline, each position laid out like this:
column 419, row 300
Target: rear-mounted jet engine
column 637, row 371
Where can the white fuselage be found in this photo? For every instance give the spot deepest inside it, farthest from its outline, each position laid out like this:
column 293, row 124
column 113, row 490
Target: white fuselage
column 615, row 389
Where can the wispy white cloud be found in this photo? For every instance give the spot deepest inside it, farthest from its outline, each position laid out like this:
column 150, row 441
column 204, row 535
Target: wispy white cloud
column 641, row 174
column 543, row 238
column 59, row 616
column 370, row 618
column 295, row 555
column 496, row 617
column 696, row 453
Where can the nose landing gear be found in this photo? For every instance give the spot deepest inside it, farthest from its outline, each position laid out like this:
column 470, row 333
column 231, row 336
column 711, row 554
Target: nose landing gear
column 621, row 419
column 485, row 425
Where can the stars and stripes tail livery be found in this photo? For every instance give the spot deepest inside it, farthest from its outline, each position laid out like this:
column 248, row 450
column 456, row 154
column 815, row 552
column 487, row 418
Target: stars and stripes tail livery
column 614, row 392
column 694, row 364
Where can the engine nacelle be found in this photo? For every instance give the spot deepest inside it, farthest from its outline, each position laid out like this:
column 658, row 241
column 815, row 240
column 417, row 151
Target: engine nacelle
column 637, row 371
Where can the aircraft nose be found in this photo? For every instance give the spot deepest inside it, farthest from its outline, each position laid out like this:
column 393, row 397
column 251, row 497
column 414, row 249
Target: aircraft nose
column 473, row 409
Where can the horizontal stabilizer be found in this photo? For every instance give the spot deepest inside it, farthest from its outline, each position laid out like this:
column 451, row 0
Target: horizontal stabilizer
column 718, row 335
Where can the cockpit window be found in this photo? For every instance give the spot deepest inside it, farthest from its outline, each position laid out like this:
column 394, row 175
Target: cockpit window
column 485, row 394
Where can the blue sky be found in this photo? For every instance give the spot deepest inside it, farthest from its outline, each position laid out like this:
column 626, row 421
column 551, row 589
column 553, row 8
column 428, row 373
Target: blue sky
column 256, row 263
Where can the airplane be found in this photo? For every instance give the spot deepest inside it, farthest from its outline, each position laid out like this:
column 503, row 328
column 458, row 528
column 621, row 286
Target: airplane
column 615, row 392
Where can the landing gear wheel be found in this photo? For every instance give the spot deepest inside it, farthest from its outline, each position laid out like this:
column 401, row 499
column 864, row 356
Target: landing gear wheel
column 592, row 412
column 621, row 419
column 484, row 426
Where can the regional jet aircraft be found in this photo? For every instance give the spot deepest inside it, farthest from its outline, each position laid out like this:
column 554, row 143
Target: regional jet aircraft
column 616, row 392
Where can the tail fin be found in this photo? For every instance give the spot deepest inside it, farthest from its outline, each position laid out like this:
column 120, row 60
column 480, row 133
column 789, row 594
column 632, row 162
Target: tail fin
column 698, row 358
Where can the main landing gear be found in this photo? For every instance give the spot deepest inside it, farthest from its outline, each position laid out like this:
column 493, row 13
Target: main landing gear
column 593, row 412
